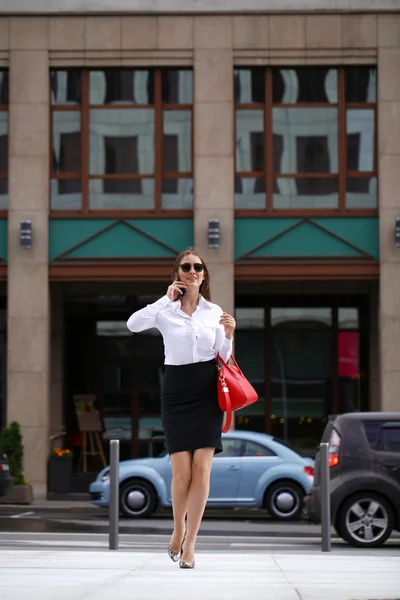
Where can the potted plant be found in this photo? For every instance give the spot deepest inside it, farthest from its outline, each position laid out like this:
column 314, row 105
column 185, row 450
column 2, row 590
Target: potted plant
column 11, row 445
column 60, row 471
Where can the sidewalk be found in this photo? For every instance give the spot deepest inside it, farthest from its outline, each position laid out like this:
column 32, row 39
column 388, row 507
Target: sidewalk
column 45, row 575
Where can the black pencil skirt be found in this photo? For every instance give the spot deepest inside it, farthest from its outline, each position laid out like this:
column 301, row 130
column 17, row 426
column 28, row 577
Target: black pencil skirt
column 190, row 413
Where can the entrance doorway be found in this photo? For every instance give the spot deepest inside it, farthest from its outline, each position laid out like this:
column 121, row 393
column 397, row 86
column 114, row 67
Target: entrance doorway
column 307, row 357
column 122, row 370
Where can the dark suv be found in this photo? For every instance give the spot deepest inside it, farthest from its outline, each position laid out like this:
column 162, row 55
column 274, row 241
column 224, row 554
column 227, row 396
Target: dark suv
column 5, row 477
column 364, row 460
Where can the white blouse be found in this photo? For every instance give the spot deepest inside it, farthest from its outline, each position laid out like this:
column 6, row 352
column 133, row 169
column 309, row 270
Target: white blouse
column 187, row 340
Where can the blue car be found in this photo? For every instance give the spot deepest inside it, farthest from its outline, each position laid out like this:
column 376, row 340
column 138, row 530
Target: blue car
column 254, row 470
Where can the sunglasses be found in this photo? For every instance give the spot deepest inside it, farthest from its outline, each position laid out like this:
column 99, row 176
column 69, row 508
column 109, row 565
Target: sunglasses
column 198, row 267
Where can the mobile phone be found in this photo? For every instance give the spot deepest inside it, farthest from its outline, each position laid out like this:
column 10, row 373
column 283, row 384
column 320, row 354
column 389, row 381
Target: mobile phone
column 183, row 291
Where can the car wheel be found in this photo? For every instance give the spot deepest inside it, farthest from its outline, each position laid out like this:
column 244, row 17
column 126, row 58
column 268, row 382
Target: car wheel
column 284, row 500
column 137, row 498
column 365, row 520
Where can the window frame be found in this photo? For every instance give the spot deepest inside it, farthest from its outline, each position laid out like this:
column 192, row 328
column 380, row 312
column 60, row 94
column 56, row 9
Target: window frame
column 268, row 174
column 85, row 178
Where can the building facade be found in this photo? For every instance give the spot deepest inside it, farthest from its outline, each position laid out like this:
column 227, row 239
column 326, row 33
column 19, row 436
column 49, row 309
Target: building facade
column 123, row 132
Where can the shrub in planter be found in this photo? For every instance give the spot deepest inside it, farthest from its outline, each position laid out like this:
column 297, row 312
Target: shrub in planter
column 11, row 445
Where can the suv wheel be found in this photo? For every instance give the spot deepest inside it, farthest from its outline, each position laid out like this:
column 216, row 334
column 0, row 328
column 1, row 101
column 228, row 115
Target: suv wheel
column 284, row 500
column 137, row 498
column 365, row 520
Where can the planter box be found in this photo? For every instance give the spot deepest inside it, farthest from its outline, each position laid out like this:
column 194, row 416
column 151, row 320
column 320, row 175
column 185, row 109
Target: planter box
column 18, row 494
column 60, row 475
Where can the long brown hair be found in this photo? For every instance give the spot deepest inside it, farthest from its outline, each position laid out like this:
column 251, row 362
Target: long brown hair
column 205, row 289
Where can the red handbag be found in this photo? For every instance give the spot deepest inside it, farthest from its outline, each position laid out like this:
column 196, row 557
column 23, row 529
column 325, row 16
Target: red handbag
column 234, row 390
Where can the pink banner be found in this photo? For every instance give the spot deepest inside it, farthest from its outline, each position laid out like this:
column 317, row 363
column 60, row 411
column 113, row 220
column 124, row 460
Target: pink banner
column 348, row 354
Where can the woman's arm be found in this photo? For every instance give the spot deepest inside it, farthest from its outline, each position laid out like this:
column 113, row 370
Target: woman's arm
column 146, row 318
column 222, row 346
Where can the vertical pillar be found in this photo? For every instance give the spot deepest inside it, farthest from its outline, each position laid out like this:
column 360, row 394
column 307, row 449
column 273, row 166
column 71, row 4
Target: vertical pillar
column 213, row 150
column 28, row 286
column 389, row 207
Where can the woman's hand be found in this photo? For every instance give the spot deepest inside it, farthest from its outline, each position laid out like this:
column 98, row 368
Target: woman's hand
column 229, row 324
column 175, row 290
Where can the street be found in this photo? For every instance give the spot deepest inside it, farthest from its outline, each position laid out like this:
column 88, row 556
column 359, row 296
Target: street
column 86, row 528
column 60, row 550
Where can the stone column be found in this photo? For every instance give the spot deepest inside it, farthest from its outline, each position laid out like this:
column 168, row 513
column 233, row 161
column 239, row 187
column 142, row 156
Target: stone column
column 213, row 150
column 28, row 286
column 389, row 207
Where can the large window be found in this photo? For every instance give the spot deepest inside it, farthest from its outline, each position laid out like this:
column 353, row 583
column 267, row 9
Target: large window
column 3, row 140
column 122, row 140
column 305, row 139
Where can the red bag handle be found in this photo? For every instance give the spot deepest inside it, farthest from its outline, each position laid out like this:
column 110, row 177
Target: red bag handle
column 221, row 360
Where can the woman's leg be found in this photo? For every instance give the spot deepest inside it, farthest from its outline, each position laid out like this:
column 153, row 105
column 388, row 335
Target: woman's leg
column 197, row 497
column 181, row 463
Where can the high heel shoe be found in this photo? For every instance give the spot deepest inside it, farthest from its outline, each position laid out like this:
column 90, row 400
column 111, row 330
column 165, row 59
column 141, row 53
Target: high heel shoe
column 186, row 564
column 174, row 556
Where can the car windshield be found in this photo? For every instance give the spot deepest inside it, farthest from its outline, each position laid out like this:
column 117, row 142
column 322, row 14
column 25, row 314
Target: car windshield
column 287, row 445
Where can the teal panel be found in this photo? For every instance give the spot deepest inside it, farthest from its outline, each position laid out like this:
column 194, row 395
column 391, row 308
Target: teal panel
column 306, row 240
column 3, row 239
column 360, row 231
column 250, row 233
column 177, row 233
column 118, row 241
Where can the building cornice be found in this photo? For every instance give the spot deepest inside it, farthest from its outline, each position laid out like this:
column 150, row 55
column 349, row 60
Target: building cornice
column 75, row 7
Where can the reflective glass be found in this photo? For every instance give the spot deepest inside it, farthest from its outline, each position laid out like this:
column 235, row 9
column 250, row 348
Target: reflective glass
column 177, row 141
column 4, row 87
column 65, row 194
column 177, row 194
column 3, row 141
column 124, row 194
column 301, row 318
column 360, row 84
column 348, row 318
column 249, row 141
column 301, row 384
column 177, row 86
column 306, row 193
column 66, row 87
column 250, row 354
column 250, row 192
column 305, row 140
column 362, row 192
column 249, row 86
column 121, row 141
column 121, row 86
column 66, row 142
column 3, row 194
column 360, row 139
column 249, row 318
column 304, row 84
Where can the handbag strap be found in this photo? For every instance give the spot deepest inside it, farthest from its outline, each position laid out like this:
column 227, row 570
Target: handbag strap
column 228, row 408
column 228, row 420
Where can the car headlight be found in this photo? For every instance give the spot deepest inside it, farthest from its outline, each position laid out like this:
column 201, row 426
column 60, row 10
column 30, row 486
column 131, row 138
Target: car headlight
column 106, row 475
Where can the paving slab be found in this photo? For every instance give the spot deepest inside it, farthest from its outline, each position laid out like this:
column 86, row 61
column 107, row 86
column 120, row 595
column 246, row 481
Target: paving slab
column 101, row 575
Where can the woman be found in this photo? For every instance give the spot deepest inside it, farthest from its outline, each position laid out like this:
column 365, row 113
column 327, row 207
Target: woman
column 194, row 332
